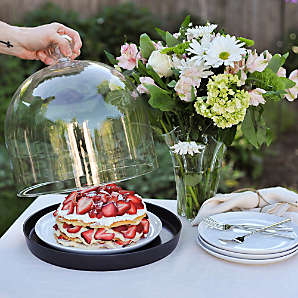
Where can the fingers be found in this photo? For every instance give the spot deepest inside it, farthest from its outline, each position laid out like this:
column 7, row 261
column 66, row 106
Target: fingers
column 63, row 44
column 77, row 43
column 42, row 55
column 76, row 39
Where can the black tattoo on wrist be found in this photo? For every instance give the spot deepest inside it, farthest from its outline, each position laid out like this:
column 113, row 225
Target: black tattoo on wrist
column 7, row 43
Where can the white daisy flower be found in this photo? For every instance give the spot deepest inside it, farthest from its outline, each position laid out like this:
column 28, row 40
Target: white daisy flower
column 191, row 68
column 200, row 31
column 199, row 49
column 191, row 148
column 224, row 50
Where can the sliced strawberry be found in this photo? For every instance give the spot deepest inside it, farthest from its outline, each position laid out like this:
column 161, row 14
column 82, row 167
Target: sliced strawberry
column 55, row 213
column 113, row 187
column 74, row 229
column 146, row 225
column 84, row 205
column 55, row 226
column 69, row 206
column 132, row 209
column 109, row 210
column 123, row 207
column 92, row 213
column 136, row 200
column 126, row 192
column 121, row 228
column 89, row 189
column 62, row 237
column 130, row 233
column 71, row 197
column 113, row 197
column 96, row 199
column 99, row 214
column 140, row 228
column 122, row 243
column 102, row 235
column 87, row 235
column 66, row 225
column 104, row 198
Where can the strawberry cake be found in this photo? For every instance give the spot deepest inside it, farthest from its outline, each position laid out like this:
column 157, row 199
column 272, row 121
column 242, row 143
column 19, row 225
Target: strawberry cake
column 101, row 217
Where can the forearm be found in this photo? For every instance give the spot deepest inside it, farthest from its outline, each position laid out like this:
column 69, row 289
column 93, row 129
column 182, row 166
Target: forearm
column 34, row 43
column 11, row 39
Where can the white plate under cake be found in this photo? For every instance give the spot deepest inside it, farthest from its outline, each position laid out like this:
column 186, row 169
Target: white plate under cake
column 101, row 217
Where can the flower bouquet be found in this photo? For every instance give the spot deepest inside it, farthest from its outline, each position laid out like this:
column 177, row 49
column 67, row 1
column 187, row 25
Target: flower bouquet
column 201, row 84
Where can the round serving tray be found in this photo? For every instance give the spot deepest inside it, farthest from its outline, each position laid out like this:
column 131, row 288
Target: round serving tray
column 159, row 248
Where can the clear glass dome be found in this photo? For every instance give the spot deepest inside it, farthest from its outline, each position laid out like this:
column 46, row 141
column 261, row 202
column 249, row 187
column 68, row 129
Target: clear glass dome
column 77, row 124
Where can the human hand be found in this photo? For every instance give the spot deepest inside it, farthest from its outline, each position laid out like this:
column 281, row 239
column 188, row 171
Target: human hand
column 34, row 43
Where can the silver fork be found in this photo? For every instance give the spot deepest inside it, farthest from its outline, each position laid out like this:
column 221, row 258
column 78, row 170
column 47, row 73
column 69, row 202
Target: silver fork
column 212, row 223
column 240, row 239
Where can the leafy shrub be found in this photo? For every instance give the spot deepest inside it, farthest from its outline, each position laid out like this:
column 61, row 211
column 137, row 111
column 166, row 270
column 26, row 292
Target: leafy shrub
column 115, row 25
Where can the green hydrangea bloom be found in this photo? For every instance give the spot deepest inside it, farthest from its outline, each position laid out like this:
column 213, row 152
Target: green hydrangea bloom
column 225, row 104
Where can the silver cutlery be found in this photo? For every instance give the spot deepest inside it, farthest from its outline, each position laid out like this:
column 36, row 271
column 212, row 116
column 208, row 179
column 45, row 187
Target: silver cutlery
column 212, row 223
column 240, row 239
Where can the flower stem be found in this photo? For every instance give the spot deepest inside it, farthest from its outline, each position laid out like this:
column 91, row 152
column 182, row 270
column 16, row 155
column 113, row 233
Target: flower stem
column 194, row 197
column 163, row 125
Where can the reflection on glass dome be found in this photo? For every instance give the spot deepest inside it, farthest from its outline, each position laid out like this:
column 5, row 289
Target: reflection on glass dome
column 77, row 124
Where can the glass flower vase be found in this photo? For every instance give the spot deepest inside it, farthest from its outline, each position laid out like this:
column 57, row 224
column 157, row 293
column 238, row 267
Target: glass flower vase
column 197, row 175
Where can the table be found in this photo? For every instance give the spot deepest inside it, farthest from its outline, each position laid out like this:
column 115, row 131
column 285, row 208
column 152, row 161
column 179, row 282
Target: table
column 187, row 272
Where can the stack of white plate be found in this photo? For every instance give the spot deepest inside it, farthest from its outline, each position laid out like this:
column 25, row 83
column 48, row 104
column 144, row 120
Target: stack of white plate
column 259, row 248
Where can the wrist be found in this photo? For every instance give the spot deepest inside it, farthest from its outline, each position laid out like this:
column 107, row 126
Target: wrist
column 12, row 39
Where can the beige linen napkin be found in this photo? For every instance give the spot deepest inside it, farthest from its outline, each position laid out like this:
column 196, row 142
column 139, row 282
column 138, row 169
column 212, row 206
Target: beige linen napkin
column 275, row 200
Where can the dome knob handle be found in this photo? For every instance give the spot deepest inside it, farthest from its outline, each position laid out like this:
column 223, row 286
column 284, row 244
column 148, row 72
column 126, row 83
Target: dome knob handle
column 55, row 52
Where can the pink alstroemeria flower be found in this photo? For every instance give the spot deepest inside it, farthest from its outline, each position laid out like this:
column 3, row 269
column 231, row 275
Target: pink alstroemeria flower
column 256, row 96
column 293, row 92
column 282, row 72
column 145, row 80
column 129, row 56
column 257, row 63
column 183, row 88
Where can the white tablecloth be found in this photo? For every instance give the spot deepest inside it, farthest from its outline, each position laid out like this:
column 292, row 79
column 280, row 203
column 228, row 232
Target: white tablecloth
column 187, row 272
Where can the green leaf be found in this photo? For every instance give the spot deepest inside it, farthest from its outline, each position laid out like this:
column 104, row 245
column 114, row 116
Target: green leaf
column 248, row 42
column 192, row 179
column 142, row 69
column 270, row 81
column 172, row 84
column 285, row 56
column 160, row 99
column 269, row 136
column 146, row 45
column 111, row 58
column 183, row 28
column 179, row 49
column 254, row 127
column 261, row 130
column 287, row 83
column 248, row 128
column 275, row 63
column 136, row 77
column 155, row 76
column 186, row 22
column 274, row 95
column 227, row 135
column 171, row 40
column 161, row 33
